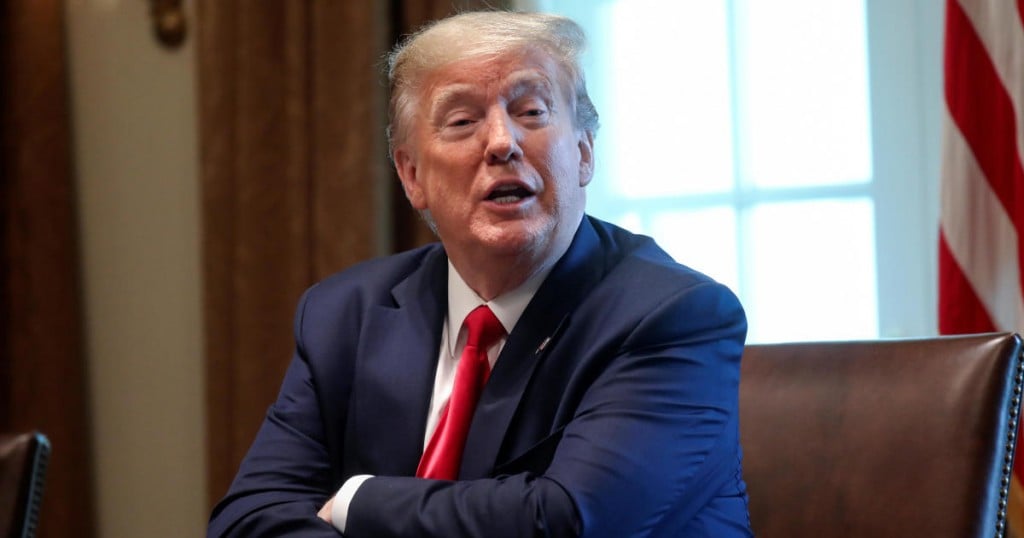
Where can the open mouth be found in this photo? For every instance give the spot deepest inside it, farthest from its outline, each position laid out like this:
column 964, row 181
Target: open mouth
column 509, row 194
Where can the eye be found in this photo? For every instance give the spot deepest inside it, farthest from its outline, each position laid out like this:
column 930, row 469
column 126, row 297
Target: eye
column 459, row 122
column 532, row 106
column 532, row 110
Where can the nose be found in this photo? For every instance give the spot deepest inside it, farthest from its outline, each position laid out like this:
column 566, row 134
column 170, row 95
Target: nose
column 502, row 143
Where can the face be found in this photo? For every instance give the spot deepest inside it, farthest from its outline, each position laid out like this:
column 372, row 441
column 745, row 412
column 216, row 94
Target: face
column 494, row 156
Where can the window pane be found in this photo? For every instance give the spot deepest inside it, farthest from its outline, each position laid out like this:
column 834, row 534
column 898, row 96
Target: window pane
column 803, row 92
column 666, row 119
column 704, row 239
column 812, row 271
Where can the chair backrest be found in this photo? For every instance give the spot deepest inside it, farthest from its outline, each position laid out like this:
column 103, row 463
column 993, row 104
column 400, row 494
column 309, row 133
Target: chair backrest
column 880, row 438
column 23, row 460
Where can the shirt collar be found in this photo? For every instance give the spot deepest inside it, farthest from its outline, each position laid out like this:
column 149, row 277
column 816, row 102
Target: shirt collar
column 508, row 307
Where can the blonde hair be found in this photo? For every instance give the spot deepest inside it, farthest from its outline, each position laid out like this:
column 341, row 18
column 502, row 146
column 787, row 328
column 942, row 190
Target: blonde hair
column 481, row 34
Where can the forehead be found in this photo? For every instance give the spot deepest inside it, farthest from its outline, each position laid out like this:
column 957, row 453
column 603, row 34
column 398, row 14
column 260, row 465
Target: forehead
column 509, row 73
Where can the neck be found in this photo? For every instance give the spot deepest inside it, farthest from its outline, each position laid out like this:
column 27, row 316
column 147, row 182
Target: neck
column 489, row 277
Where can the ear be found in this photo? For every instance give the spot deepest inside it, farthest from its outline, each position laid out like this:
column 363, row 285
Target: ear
column 586, row 147
column 405, row 165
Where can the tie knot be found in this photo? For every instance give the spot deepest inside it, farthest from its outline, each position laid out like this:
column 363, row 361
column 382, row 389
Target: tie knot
column 483, row 328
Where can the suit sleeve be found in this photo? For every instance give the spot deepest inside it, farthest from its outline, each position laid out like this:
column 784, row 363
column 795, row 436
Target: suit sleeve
column 653, row 438
column 286, row 476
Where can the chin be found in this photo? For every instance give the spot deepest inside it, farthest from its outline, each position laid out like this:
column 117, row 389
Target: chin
column 510, row 245
column 520, row 241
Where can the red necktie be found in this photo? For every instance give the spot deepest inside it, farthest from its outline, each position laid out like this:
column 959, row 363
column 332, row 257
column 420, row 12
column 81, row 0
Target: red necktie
column 443, row 455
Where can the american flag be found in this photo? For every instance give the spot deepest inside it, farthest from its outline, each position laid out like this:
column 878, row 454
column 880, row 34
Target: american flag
column 980, row 242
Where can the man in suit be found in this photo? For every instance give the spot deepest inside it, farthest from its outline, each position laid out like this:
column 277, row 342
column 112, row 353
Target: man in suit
column 608, row 405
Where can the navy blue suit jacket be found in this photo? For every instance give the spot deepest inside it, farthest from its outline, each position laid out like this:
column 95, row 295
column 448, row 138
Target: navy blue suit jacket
column 611, row 411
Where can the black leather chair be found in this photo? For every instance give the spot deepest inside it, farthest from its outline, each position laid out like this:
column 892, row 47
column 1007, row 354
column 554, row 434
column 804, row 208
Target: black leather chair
column 23, row 460
column 880, row 438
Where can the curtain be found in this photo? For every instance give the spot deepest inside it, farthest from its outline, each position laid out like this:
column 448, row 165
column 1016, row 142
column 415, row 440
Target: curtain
column 42, row 373
column 295, row 181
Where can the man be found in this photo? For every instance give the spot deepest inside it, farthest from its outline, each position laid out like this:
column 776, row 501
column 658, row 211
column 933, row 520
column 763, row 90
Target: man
column 610, row 401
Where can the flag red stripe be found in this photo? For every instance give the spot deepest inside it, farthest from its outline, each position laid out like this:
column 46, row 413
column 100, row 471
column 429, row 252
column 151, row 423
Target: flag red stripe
column 960, row 311
column 1020, row 11
column 983, row 110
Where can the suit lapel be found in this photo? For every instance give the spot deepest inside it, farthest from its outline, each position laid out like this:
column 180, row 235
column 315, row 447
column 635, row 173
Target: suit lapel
column 533, row 337
column 398, row 357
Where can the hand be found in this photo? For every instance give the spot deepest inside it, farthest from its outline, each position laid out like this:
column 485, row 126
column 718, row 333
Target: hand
column 325, row 512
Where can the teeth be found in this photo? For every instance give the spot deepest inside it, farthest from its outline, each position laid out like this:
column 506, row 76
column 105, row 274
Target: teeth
column 507, row 199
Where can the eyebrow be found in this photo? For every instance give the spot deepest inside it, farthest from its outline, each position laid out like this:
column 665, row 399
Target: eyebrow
column 520, row 83
column 448, row 95
column 525, row 82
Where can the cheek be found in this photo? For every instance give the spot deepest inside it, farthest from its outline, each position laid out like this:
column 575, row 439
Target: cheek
column 447, row 181
column 563, row 162
column 563, row 170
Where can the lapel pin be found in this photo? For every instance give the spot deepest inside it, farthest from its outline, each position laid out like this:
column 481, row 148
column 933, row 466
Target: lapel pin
column 542, row 345
column 558, row 329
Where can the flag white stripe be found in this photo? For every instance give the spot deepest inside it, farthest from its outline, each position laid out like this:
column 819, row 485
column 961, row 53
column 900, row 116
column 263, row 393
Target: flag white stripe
column 979, row 233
